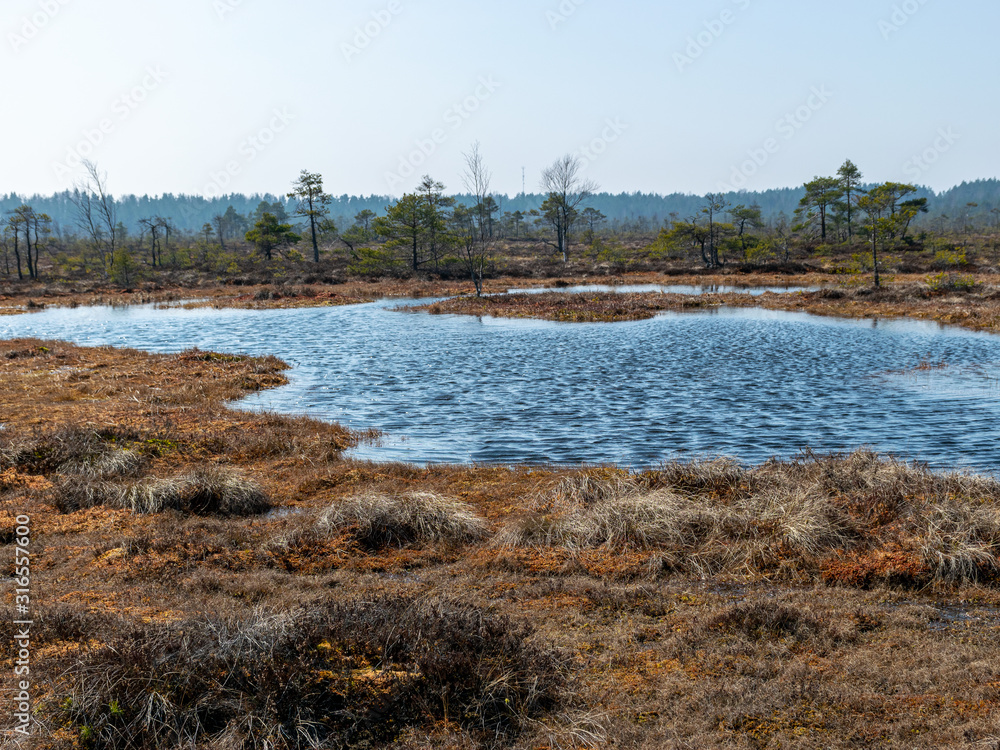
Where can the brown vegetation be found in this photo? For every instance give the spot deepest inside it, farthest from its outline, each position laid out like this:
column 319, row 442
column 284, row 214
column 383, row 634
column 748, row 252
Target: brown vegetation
column 589, row 307
column 212, row 578
column 976, row 306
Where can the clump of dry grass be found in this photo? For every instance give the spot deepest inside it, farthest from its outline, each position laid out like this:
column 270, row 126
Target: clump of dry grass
column 379, row 520
column 150, row 495
column 767, row 619
column 784, row 517
column 961, row 541
column 83, row 451
column 223, row 491
column 114, row 462
column 208, row 490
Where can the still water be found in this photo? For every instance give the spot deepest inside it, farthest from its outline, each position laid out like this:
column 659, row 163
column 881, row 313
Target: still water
column 746, row 383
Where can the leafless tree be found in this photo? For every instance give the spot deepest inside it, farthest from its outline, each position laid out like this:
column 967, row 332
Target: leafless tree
column 477, row 241
column 97, row 213
column 567, row 190
column 151, row 225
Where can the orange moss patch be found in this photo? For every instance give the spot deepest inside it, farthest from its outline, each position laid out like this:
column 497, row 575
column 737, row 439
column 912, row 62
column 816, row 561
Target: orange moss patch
column 892, row 565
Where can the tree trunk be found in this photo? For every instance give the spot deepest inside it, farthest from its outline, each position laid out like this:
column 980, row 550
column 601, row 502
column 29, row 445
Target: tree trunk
column 875, row 257
column 312, row 225
column 850, row 232
column 27, row 242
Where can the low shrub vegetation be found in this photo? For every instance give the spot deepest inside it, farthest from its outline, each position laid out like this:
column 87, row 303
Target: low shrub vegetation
column 350, row 674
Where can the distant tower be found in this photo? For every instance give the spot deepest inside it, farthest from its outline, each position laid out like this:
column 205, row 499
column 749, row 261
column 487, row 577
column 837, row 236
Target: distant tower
column 524, row 181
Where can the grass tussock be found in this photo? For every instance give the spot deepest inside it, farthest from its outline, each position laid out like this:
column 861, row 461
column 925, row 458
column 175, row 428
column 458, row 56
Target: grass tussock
column 796, row 518
column 208, row 490
column 378, row 520
column 342, row 675
column 78, row 450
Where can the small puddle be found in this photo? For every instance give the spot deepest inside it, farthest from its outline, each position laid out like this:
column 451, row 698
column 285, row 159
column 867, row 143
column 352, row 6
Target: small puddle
column 962, row 616
column 283, row 513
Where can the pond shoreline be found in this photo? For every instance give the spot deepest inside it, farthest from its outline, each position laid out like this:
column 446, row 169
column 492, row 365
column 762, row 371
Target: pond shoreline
column 975, row 309
column 642, row 582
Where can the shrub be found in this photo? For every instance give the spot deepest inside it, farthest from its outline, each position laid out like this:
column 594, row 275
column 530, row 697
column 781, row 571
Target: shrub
column 951, row 282
column 950, row 257
column 374, row 262
column 332, row 675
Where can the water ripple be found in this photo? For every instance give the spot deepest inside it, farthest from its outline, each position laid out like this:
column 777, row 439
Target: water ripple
column 747, row 383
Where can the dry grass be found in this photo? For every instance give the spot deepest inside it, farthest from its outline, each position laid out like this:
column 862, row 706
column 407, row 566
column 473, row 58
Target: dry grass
column 207, row 490
column 783, row 518
column 836, row 602
column 378, row 520
column 351, row 674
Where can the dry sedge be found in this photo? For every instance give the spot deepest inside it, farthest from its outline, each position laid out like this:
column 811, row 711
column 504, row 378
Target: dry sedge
column 782, row 517
column 379, row 520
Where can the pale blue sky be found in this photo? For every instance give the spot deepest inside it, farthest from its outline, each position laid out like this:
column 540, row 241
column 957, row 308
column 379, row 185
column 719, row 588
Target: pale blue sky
column 531, row 82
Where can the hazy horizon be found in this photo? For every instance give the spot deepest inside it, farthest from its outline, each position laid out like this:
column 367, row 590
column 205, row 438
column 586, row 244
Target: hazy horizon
column 206, row 97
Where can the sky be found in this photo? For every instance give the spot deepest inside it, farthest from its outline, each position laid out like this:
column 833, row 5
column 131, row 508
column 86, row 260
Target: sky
column 218, row 96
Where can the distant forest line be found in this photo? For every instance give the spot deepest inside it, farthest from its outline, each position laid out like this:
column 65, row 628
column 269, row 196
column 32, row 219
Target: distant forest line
column 624, row 211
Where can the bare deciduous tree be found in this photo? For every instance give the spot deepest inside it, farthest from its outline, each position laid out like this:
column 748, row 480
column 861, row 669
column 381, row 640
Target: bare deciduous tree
column 476, row 234
column 567, row 190
column 97, row 214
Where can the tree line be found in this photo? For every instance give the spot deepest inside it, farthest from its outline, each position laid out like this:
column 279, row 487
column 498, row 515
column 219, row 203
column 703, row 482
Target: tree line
column 428, row 230
column 628, row 213
column 834, row 209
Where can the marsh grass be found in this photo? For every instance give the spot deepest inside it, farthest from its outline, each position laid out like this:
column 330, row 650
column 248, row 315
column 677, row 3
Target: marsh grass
column 378, row 520
column 206, row 490
column 73, row 449
column 312, row 640
column 782, row 518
